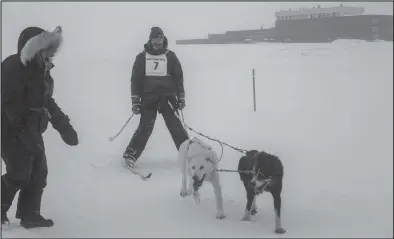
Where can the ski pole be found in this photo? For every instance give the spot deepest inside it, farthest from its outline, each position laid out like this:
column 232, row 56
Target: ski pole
column 114, row 137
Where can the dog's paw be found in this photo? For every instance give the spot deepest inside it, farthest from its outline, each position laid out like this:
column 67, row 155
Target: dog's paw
column 196, row 197
column 220, row 215
column 184, row 193
column 245, row 218
column 280, row 231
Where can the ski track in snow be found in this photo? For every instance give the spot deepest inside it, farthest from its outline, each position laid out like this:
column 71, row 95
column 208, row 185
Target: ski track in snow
column 325, row 109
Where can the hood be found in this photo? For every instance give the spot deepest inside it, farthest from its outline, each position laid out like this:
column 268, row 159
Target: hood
column 26, row 35
column 149, row 48
column 34, row 39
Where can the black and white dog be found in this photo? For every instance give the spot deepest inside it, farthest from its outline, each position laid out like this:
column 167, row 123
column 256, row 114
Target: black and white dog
column 267, row 175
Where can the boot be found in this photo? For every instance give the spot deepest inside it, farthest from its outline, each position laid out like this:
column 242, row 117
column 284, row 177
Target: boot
column 29, row 202
column 36, row 220
column 28, row 210
column 7, row 196
column 129, row 160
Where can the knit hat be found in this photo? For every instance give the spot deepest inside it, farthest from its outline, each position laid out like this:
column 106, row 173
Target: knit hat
column 156, row 32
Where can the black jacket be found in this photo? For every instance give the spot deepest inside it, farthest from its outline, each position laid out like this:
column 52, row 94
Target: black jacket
column 139, row 83
column 27, row 104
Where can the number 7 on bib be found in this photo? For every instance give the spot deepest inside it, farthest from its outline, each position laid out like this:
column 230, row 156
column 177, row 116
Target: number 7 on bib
column 155, row 65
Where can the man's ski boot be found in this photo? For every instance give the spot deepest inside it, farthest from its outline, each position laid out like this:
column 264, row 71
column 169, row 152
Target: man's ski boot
column 129, row 160
column 36, row 220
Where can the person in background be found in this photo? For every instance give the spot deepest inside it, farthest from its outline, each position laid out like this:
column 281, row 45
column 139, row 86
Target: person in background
column 156, row 86
column 27, row 106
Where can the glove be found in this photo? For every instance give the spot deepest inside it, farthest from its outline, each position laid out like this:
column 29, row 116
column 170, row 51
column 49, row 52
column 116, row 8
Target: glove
column 181, row 103
column 136, row 109
column 136, row 101
column 66, row 131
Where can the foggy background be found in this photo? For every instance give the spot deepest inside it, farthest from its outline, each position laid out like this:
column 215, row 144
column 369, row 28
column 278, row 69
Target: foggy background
column 325, row 109
column 119, row 29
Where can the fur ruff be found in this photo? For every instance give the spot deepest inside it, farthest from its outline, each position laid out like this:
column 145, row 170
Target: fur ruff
column 42, row 41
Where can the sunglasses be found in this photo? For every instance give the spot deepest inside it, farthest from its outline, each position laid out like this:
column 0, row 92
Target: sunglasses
column 158, row 40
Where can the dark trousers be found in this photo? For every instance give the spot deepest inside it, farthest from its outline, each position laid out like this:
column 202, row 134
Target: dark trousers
column 149, row 108
column 25, row 172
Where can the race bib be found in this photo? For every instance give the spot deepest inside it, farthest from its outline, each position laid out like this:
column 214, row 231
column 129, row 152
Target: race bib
column 155, row 65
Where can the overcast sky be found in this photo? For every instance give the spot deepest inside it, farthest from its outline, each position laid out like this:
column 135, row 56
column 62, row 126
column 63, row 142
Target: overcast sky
column 117, row 26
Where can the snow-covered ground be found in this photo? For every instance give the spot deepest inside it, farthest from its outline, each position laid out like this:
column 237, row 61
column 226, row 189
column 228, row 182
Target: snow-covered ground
column 325, row 109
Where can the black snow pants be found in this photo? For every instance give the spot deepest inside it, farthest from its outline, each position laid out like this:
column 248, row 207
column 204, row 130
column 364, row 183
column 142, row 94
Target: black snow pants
column 149, row 108
column 25, row 172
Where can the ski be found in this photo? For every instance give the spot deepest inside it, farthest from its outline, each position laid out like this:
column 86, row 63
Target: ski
column 143, row 177
column 134, row 171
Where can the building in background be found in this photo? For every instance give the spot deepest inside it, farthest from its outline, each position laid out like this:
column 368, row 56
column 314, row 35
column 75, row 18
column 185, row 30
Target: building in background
column 315, row 24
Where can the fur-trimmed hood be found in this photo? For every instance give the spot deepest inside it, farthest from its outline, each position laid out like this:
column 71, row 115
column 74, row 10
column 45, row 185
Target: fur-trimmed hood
column 34, row 39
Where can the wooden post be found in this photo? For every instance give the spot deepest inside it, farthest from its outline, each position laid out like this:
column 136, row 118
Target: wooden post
column 254, row 91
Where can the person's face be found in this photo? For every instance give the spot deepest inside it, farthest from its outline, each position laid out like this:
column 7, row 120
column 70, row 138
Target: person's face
column 49, row 52
column 157, row 43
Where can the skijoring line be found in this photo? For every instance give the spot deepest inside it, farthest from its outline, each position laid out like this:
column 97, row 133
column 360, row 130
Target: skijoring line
column 210, row 138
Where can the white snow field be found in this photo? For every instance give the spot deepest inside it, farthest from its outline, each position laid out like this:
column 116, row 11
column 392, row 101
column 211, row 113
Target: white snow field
column 325, row 109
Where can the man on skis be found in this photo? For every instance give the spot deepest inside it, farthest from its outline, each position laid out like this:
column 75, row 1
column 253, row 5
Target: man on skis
column 156, row 85
column 27, row 106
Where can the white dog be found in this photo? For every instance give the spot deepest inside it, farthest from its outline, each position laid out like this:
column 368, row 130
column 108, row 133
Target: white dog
column 198, row 162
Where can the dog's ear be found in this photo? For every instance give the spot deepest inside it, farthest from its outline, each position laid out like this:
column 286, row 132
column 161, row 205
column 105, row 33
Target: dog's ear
column 211, row 157
column 251, row 152
column 278, row 168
